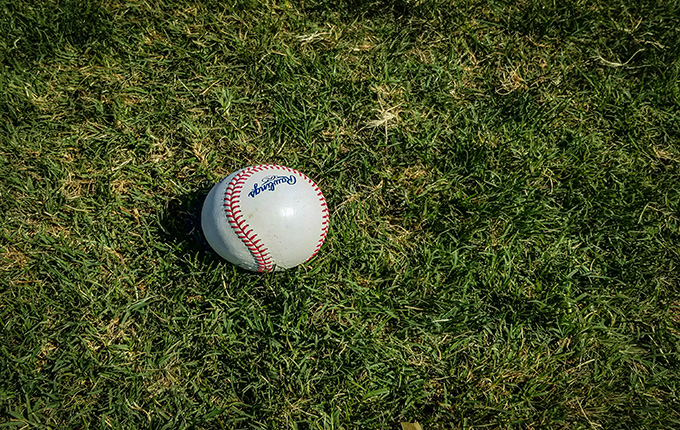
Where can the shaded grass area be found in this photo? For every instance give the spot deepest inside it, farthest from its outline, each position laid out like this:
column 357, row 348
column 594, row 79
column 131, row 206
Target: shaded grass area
column 503, row 182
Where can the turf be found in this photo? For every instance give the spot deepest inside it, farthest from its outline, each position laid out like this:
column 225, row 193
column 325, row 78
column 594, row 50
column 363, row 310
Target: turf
column 505, row 214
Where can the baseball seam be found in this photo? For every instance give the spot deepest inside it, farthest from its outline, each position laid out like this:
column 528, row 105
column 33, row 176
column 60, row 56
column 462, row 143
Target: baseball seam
column 245, row 233
column 232, row 208
column 324, row 208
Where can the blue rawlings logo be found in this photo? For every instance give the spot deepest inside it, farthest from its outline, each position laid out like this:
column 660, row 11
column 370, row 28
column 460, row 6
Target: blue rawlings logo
column 269, row 183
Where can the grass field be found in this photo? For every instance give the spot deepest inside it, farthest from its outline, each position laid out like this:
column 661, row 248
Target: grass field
column 504, row 187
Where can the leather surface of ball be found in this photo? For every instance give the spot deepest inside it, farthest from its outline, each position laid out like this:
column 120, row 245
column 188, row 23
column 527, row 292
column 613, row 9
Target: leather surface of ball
column 265, row 218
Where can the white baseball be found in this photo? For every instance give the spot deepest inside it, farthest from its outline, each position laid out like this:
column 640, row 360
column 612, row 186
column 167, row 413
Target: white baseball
column 265, row 218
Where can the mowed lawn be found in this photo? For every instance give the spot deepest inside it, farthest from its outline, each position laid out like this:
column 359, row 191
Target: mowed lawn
column 504, row 186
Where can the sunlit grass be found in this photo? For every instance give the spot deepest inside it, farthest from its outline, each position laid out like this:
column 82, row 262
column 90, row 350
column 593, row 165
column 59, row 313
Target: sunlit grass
column 503, row 186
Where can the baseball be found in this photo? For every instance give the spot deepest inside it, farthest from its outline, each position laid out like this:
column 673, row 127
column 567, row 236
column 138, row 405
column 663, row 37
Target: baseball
column 265, row 218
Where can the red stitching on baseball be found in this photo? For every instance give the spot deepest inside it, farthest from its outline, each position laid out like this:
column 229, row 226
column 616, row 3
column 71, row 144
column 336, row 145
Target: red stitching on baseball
column 326, row 219
column 238, row 222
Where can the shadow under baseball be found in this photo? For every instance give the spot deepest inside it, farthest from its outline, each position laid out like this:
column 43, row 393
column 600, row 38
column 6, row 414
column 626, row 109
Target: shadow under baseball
column 181, row 225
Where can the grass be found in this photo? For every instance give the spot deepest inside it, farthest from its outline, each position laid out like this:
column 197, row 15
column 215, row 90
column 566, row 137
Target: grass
column 503, row 182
